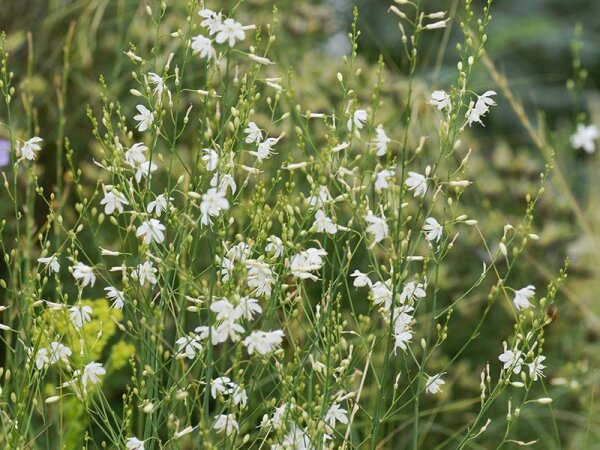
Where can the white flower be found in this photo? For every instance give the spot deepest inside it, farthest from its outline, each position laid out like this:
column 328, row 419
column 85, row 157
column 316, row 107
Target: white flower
column 135, row 154
column 159, row 204
column 144, row 170
column 31, row 147
column 59, row 352
column 202, row 46
column 434, row 384
column 360, row 279
column 158, row 82
column 116, row 296
column 402, row 339
column 80, row 315
column 522, row 296
column 402, row 319
column 584, row 137
column 224, row 310
column 358, row 119
column 324, row 224
column 213, row 202
column 220, row 385
column 212, row 20
column 512, row 360
column 303, row 263
column 416, row 182
column 378, row 227
column 480, row 108
column 228, row 329
column 248, row 307
column 263, row 342
column 230, row 31
column 321, row 199
column 382, row 178
column 536, row 368
column 41, row 357
column 51, row 263
column 212, row 159
column 113, row 200
column 336, row 414
column 441, row 100
column 84, row 273
column 145, row 272
column 188, row 346
column 239, row 252
column 274, row 246
column 144, row 118
column 381, row 294
column 260, row 277
column 91, row 373
column 151, row 231
column 264, row 149
column 432, row 229
column 222, row 181
column 381, row 141
column 412, row 291
column 484, row 101
column 227, row 423
column 134, row 443
column 253, row 133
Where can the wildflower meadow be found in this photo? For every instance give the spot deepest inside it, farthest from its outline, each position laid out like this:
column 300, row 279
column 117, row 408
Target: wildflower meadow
column 250, row 224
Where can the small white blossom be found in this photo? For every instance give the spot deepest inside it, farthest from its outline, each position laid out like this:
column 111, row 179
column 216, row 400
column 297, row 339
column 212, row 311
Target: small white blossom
column 412, row 291
column 212, row 20
column 51, row 263
column 441, row 100
column 31, row 147
column 358, row 119
column 381, row 294
column 203, row 47
column 59, row 352
column 144, row 170
column 159, row 204
column 263, row 342
column 382, row 179
column 188, row 346
column 151, row 231
column 145, row 272
column 223, row 181
column 135, row 154
column 134, row 443
column 432, row 230
column 144, row 118
column 92, row 373
column 213, row 202
column 211, row 158
column 324, row 224
column 416, row 182
column 585, row 137
column 522, row 296
column 378, row 227
column 536, row 368
column 226, row 423
column 274, row 246
column 512, row 360
column 434, row 384
column 336, row 414
column 303, row 263
column 381, row 141
column 253, row 133
column 80, row 315
column 84, row 273
column 360, row 279
column 113, row 200
column 230, row 31
column 116, row 296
